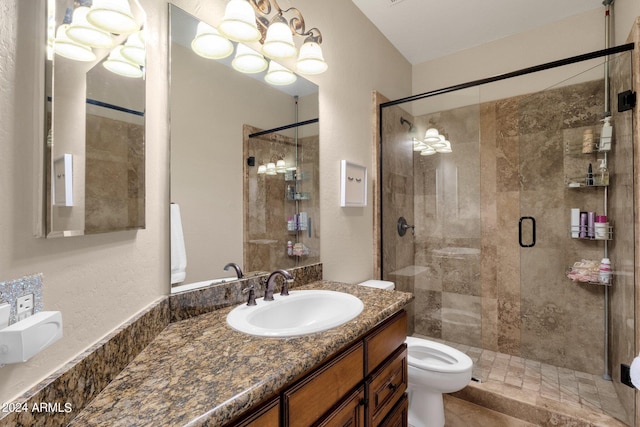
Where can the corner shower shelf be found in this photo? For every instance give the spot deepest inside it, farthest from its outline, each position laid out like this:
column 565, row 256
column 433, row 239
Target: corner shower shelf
column 609, row 235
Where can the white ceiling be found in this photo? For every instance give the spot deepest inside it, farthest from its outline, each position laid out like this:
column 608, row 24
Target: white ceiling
column 427, row 29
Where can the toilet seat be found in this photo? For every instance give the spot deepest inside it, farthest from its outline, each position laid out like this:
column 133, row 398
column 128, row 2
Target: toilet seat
column 433, row 356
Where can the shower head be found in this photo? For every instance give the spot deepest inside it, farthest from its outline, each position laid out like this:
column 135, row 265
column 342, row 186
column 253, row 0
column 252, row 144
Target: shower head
column 404, row 121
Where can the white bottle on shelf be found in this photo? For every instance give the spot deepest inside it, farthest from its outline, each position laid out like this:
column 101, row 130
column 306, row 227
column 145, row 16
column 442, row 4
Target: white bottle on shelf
column 605, row 271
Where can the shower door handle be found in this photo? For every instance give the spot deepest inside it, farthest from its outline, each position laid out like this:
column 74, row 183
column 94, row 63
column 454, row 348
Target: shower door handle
column 533, row 231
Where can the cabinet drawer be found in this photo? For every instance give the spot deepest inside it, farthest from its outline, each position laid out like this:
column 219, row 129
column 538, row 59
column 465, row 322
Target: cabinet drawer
column 349, row 413
column 312, row 397
column 387, row 385
column 385, row 340
column 266, row 416
column 399, row 415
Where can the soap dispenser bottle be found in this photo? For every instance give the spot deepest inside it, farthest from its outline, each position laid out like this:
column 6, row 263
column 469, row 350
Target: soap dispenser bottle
column 603, row 173
column 606, row 135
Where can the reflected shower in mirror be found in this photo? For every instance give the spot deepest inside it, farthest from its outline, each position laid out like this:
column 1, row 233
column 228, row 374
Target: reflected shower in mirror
column 94, row 150
column 211, row 105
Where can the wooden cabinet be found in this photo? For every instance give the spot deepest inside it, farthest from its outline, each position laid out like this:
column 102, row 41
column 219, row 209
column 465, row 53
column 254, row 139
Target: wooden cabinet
column 314, row 395
column 267, row 415
column 363, row 385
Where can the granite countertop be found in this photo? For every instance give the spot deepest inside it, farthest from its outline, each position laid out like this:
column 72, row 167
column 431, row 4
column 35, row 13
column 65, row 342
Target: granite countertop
column 200, row 371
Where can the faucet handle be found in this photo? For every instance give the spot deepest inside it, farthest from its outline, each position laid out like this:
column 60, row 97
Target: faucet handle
column 251, row 290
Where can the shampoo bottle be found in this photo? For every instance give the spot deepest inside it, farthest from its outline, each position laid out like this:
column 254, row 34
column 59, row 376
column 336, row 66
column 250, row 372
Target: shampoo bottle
column 603, row 173
column 606, row 135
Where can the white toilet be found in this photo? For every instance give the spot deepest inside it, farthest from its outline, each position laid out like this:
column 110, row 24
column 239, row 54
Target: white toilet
column 434, row 368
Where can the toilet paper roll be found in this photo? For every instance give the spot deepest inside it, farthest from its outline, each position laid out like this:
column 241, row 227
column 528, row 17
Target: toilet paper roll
column 635, row 372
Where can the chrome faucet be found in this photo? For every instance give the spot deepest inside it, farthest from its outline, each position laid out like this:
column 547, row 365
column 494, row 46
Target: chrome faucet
column 236, row 267
column 271, row 283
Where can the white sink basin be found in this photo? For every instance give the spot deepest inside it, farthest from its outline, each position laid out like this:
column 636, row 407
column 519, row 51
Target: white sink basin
column 300, row 313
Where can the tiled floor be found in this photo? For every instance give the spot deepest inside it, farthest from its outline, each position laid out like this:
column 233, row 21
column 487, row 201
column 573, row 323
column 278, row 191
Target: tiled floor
column 562, row 385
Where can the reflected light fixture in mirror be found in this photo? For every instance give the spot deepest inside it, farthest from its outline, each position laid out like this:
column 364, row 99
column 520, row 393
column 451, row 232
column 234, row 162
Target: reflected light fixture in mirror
column 64, row 46
column 81, row 31
column 239, row 22
column 118, row 64
column 134, row 50
column 113, row 16
column 209, row 44
column 248, row 60
column 279, row 75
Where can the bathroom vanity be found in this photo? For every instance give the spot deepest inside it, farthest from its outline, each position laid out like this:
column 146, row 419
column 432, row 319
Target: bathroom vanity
column 199, row 371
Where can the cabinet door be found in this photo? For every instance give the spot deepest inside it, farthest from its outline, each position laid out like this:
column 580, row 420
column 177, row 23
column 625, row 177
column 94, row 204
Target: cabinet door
column 266, row 416
column 349, row 414
column 387, row 385
column 311, row 398
column 399, row 415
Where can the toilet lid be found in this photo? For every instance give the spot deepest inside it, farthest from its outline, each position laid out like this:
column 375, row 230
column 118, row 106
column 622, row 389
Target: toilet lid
column 437, row 357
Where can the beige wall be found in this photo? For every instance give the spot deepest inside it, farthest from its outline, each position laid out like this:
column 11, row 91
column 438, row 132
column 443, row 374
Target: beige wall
column 573, row 36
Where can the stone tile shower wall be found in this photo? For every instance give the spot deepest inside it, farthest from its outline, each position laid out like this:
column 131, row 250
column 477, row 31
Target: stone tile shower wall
column 473, row 283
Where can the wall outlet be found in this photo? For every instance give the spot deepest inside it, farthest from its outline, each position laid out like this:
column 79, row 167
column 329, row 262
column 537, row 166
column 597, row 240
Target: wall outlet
column 24, row 307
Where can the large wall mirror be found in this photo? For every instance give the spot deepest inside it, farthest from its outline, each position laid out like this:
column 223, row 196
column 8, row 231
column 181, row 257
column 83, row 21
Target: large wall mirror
column 230, row 131
column 95, row 87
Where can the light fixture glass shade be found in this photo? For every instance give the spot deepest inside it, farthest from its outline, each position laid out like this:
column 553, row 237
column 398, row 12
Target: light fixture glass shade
column 281, row 166
column 239, row 22
column 310, row 59
column 208, row 43
column 271, row 169
column 113, row 16
column 262, row 169
column 431, row 135
column 278, row 43
column 418, row 145
column 441, row 142
column 445, row 149
column 118, row 64
column 428, row 151
column 279, row 75
column 66, row 47
column 248, row 60
column 81, row 31
column 134, row 49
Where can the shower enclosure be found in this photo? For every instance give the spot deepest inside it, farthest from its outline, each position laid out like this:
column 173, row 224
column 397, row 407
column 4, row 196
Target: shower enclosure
column 491, row 244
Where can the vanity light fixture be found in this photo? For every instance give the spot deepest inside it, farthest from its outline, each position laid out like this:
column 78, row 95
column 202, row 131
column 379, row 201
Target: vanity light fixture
column 440, row 143
column 64, row 46
column 279, row 75
column 281, row 166
column 445, row 149
column 239, row 22
column 428, row 151
column 248, row 60
column 208, row 43
column 271, row 169
column 310, row 59
column 278, row 43
column 431, row 135
column 118, row 64
column 262, row 169
column 276, row 31
column 418, row 145
column 113, row 16
column 134, row 49
column 83, row 32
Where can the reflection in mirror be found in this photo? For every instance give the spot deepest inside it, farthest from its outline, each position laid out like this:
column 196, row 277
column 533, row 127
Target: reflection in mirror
column 210, row 105
column 95, row 86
